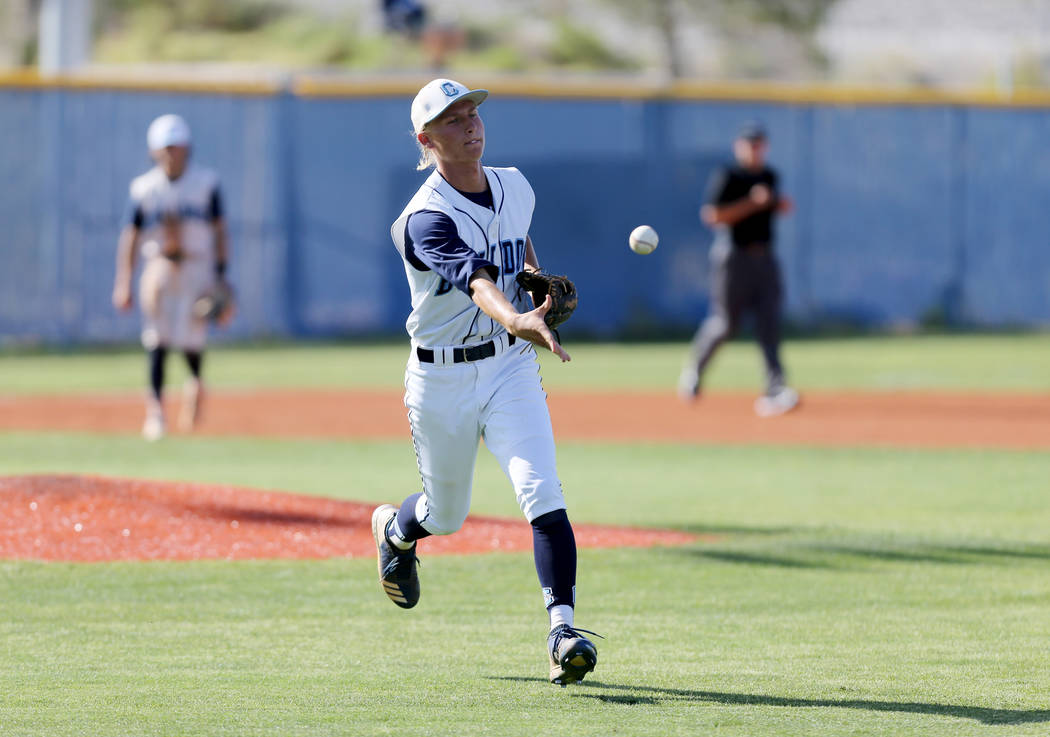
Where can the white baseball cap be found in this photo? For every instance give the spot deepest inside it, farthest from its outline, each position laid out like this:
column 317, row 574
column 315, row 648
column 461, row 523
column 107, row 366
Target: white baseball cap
column 167, row 130
column 436, row 96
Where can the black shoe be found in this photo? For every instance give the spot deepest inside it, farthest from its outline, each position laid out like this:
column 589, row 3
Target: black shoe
column 572, row 655
column 397, row 568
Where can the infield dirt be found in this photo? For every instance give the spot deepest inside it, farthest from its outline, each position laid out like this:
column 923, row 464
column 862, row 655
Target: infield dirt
column 93, row 519
column 890, row 419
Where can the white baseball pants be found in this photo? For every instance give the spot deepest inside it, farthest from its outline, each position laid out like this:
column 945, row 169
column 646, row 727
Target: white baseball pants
column 498, row 399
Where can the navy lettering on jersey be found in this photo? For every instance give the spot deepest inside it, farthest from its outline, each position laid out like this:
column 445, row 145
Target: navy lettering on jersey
column 511, row 255
column 141, row 217
column 510, row 261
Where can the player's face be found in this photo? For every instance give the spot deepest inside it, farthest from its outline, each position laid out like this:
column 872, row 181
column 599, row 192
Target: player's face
column 751, row 152
column 172, row 160
column 457, row 135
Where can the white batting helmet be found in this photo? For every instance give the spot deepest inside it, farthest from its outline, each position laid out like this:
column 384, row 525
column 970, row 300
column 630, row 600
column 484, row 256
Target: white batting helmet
column 168, row 130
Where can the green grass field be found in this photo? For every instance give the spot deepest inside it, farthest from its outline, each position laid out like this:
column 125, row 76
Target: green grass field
column 947, row 362
column 837, row 591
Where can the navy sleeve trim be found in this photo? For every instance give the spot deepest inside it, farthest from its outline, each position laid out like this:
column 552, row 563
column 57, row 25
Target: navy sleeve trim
column 410, row 251
column 133, row 214
column 432, row 240
column 215, row 210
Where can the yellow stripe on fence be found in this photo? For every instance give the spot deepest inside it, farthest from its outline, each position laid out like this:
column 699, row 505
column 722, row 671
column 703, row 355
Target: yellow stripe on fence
column 569, row 87
column 30, row 80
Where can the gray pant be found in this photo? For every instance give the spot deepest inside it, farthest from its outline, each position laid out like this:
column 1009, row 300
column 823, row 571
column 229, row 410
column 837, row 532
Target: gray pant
column 742, row 279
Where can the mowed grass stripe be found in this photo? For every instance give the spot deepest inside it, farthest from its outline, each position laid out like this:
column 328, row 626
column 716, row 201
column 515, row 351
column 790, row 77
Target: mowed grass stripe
column 1014, row 362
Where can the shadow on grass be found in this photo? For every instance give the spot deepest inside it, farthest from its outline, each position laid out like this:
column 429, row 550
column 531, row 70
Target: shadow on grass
column 827, row 556
column 641, row 695
column 742, row 530
column 946, row 554
column 1028, row 552
column 756, row 559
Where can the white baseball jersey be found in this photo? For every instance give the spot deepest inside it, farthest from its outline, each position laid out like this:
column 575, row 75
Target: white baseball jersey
column 191, row 198
column 442, row 315
column 167, row 289
column 452, row 403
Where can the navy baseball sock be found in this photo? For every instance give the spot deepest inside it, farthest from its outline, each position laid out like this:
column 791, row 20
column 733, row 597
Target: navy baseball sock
column 554, row 551
column 406, row 528
column 157, row 358
column 193, row 360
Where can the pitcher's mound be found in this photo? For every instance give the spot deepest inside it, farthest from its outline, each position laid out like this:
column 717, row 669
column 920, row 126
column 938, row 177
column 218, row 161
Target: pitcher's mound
column 92, row 518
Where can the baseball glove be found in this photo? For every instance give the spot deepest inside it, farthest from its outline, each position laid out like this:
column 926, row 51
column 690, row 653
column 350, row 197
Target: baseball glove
column 216, row 304
column 562, row 291
column 171, row 238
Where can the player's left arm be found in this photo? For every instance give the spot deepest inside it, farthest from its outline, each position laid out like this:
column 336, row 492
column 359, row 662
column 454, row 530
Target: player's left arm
column 219, row 232
column 526, row 325
column 222, row 246
column 126, row 253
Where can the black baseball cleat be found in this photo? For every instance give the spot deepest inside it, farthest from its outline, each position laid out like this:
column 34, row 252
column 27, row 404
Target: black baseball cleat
column 397, row 568
column 572, row 655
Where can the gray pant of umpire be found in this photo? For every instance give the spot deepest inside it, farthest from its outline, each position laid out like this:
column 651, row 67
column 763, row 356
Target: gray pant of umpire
column 743, row 278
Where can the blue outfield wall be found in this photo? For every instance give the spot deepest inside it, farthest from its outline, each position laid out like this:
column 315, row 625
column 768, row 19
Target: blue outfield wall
column 904, row 212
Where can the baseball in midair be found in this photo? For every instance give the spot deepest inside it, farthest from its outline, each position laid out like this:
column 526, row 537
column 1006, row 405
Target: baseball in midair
column 643, row 240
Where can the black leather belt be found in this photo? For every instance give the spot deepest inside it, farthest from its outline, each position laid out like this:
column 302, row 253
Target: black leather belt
column 465, row 355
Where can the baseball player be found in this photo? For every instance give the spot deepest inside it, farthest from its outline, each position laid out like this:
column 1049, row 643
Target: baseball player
column 472, row 371
column 742, row 201
column 175, row 218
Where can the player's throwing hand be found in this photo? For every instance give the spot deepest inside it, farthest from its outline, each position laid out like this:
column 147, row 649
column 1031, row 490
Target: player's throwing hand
column 532, row 327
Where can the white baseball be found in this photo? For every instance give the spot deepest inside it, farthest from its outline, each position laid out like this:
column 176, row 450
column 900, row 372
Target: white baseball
column 643, row 240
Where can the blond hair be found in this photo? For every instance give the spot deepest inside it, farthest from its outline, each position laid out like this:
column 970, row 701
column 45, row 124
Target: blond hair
column 427, row 159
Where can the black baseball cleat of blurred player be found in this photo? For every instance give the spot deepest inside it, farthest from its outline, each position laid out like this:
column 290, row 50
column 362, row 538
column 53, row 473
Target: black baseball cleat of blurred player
column 572, row 655
column 397, row 568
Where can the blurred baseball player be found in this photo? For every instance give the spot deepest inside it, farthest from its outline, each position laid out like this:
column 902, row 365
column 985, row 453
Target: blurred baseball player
column 472, row 372
column 175, row 217
column 742, row 201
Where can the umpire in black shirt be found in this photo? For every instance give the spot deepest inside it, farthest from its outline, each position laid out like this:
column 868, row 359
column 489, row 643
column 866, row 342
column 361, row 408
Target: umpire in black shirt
column 742, row 201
